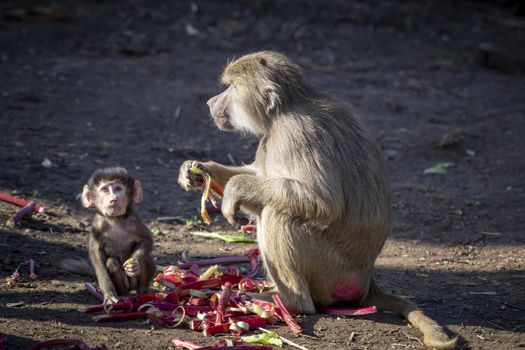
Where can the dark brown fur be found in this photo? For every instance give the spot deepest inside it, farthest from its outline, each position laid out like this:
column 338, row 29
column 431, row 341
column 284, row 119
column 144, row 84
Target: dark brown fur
column 317, row 186
column 114, row 240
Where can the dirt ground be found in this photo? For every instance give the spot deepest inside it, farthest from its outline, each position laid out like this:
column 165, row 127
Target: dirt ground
column 87, row 84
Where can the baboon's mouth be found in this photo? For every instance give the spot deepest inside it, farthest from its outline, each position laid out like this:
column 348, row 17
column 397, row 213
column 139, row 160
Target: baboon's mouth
column 222, row 122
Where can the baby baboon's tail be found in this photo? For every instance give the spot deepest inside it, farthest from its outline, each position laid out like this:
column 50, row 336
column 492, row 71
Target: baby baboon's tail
column 79, row 266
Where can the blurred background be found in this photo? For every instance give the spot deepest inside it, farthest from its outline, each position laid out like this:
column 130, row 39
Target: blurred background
column 440, row 84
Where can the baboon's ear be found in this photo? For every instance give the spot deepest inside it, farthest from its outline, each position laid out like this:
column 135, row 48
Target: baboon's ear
column 271, row 99
column 138, row 192
column 87, row 201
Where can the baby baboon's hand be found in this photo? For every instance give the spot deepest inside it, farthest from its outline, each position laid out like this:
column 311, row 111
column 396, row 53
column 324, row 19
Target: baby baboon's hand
column 131, row 267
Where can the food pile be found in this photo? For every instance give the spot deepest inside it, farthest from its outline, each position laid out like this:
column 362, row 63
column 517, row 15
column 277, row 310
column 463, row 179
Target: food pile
column 207, row 295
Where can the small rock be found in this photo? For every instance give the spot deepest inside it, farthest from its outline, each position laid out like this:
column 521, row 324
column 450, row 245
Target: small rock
column 46, row 163
column 391, row 154
column 191, row 30
column 451, row 138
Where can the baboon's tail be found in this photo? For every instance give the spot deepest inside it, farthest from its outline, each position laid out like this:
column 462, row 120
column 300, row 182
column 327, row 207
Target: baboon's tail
column 434, row 335
column 79, row 266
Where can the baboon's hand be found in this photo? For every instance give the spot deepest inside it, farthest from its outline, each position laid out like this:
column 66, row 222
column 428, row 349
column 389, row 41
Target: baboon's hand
column 188, row 179
column 110, row 299
column 131, row 267
column 231, row 201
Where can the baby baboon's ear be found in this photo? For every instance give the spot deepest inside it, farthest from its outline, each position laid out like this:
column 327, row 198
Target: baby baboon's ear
column 138, row 193
column 87, row 201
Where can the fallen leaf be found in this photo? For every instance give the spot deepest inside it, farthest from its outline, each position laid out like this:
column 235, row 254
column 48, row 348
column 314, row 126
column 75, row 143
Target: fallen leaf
column 440, row 168
column 270, row 339
column 156, row 231
column 226, row 238
column 16, row 304
column 483, row 293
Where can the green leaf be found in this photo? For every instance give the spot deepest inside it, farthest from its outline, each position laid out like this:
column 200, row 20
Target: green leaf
column 439, row 168
column 227, row 238
column 270, row 338
column 194, row 221
column 156, row 231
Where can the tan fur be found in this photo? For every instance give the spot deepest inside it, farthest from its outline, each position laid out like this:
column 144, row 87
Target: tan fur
column 317, row 186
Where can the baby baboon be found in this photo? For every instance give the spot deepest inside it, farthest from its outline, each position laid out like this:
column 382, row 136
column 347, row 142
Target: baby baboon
column 120, row 244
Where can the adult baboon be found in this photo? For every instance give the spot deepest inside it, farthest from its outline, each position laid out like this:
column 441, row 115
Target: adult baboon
column 317, row 186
